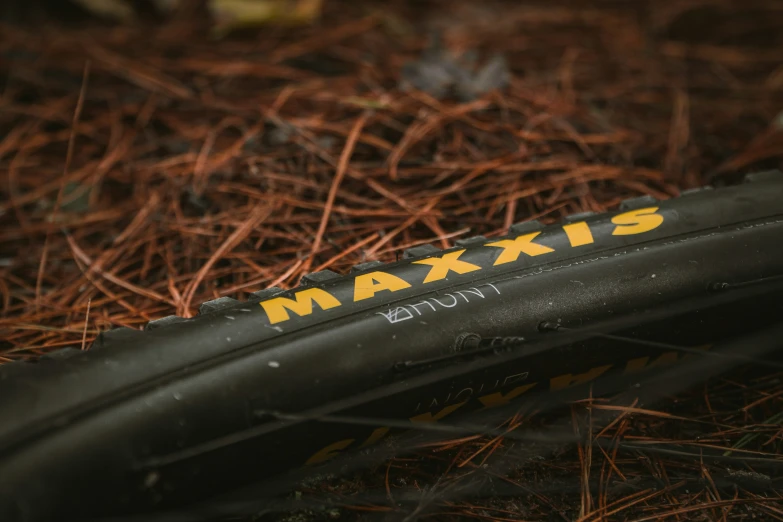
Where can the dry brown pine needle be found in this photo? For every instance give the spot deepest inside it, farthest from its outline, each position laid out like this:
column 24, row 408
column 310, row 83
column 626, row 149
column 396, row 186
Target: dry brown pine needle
column 145, row 170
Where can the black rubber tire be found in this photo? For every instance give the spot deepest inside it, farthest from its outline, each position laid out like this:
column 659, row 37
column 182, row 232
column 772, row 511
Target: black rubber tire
column 151, row 418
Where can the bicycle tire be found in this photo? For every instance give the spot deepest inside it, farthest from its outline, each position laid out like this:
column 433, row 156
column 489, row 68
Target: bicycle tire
column 148, row 419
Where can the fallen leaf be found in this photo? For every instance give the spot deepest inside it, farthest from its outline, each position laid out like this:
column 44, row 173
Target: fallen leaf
column 236, row 14
column 113, row 9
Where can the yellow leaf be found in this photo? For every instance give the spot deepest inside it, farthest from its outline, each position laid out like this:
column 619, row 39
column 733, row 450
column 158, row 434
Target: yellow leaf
column 235, row 14
column 113, row 9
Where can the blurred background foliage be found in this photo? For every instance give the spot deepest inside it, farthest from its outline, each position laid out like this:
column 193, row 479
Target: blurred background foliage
column 227, row 15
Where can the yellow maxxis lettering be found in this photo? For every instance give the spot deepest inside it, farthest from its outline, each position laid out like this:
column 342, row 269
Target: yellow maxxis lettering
column 512, row 248
column 277, row 309
column 430, row 417
column 566, row 381
column 330, row 451
column 496, row 399
column 441, row 266
column 493, row 400
column 643, row 363
column 636, row 221
column 376, row 435
column 366, row 285
column 578, row 234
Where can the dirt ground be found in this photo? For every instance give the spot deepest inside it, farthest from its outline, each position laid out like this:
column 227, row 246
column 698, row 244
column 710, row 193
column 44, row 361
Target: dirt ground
column 144, row 170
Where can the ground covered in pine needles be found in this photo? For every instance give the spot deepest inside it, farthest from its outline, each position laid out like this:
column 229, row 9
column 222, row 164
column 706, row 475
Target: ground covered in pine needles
column 145, row 170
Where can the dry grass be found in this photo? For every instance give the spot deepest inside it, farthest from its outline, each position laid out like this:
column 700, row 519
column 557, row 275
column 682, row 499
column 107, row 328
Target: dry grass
column 147, row 170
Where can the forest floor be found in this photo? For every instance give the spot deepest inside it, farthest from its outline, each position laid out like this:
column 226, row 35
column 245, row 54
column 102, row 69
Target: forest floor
column 146, row 170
